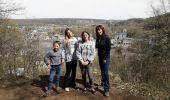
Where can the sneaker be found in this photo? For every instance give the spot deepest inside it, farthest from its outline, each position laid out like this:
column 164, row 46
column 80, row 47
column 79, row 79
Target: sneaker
column 67, row 89
column 106, row 94
column 84, row 90
column 46, row 93
column 93, row 91
column 57, row 88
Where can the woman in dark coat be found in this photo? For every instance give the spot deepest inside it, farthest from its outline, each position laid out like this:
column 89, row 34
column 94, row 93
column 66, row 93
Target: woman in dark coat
column 103, row 45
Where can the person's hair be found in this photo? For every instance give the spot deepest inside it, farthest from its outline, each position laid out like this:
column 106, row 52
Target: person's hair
column 56, row 42
column 66, row 36
column 66, row 33
column 98, row 28
column 83, row 34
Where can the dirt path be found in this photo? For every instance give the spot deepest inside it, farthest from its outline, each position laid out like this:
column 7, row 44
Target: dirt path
column 34, row 90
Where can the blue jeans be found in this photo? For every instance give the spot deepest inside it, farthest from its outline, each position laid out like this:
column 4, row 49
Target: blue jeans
column 104, row 67
column 55, row 69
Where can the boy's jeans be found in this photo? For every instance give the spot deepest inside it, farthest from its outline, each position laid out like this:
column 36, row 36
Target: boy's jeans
column 104, row 67
column 55, row 69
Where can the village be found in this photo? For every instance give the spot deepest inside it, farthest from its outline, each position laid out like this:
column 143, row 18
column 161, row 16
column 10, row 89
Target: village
column 40, row 33
column 118, row 39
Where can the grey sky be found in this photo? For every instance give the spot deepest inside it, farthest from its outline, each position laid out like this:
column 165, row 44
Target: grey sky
column 98, row 9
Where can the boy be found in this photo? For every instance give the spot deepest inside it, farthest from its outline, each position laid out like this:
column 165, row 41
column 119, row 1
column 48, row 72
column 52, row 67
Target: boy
column 54, row 59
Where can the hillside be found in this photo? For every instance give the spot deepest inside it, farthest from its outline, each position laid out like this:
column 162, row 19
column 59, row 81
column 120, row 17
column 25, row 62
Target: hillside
column 59, row 21
column 134, row 27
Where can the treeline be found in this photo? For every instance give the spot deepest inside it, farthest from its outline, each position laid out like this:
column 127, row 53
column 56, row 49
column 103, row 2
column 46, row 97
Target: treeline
column 59, row 21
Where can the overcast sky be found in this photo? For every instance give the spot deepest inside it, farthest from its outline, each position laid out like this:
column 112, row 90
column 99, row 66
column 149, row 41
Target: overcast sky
column 97, row 9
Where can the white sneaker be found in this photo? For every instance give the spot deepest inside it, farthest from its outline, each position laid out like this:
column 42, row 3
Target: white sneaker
column 67, row 89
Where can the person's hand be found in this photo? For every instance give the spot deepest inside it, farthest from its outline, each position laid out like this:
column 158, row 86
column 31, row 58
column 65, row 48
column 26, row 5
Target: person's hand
column 86, row 63
column 62, row 61
column 104, row 61
column 82, row 63
column 49, row 66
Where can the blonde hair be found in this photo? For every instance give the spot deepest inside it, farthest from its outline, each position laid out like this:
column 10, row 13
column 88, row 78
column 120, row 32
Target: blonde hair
column 66, row 41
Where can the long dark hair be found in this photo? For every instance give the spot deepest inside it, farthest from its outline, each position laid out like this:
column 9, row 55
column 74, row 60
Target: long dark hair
column 98, row 28
column 82, row 35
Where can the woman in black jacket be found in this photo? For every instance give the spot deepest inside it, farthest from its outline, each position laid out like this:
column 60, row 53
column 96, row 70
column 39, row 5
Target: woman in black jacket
column 103, row 45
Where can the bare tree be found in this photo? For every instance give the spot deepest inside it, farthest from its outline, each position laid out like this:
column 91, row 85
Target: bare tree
column 10, row 39
column 162, row 8
column 8, row 8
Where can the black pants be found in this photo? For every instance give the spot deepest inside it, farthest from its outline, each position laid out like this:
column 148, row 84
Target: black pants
column 70, row 75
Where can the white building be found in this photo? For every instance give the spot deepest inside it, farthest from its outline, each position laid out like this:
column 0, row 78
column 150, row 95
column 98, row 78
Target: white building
column 121, row 40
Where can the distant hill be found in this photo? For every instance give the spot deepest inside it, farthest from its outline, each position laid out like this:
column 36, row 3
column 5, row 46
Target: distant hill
column 133, row 26
column 60, row 21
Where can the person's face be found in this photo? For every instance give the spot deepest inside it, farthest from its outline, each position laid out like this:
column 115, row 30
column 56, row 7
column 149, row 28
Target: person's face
column 100, row 32
column 69, row 34
column 85, row 36
column 56, row 46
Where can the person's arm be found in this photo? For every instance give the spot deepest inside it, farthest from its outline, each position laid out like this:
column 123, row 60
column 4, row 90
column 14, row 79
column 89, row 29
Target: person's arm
column 63, row 50
column 78, row 54
column 92, row 53
column 47, row 60
column 76, row 43
column 62, row 56
column 96, row 43
column 108, row 47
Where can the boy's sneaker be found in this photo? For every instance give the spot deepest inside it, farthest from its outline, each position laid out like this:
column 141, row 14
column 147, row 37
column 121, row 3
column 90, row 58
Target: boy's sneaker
column 46, row 93
column 106, row 94
column 57, row 88
column 67, row 89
